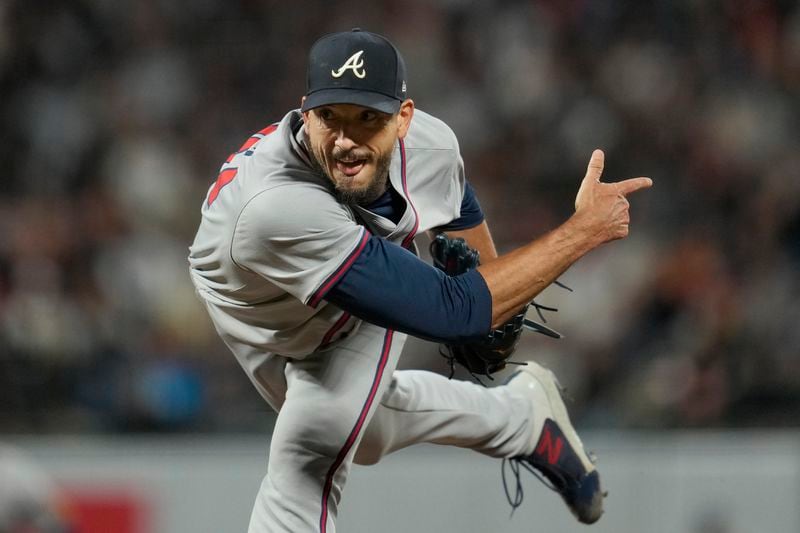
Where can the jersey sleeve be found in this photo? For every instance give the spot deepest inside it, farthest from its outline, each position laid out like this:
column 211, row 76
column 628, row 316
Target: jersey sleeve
column 471, row 212
column 298, row 238
column 448, row 202
column 389, row 286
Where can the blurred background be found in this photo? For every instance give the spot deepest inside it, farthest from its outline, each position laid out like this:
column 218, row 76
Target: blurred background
column 115, row 117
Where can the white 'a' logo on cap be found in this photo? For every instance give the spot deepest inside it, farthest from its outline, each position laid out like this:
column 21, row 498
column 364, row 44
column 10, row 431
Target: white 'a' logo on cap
column 354, row 63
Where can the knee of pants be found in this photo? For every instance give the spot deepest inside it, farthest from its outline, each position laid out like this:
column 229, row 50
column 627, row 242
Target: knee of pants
column 373, row 444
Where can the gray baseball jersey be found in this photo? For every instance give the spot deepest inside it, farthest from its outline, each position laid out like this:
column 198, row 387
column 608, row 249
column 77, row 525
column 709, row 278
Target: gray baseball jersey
column 273, row 236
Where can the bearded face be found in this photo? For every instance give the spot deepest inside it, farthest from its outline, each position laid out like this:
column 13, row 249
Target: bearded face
column 353, row 146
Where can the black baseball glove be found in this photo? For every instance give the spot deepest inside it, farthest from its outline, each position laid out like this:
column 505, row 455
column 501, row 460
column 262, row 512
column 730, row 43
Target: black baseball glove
column 490, row 355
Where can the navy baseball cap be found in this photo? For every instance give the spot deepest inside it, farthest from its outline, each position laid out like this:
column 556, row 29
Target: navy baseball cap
column 355, row 67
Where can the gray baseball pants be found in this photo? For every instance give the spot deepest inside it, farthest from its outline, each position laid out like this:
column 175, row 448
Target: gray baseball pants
column 349, row 404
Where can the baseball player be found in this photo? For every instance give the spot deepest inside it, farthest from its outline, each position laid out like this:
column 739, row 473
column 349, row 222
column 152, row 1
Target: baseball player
column 305, row 261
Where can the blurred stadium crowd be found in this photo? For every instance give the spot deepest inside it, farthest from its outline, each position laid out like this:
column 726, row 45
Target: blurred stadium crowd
column 116, row 115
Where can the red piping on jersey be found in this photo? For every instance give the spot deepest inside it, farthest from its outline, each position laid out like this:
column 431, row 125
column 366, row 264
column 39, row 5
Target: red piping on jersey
column 336, row 327
column 351, row 439
column 410, row 236
column 337, row 275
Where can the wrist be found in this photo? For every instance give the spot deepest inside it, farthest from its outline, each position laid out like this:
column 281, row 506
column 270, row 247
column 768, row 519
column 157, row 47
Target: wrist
column 581, row 234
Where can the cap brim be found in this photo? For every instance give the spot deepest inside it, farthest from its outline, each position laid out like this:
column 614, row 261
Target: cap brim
column 372, row 100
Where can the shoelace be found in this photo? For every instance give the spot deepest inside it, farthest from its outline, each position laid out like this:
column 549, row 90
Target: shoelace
column 514, row 464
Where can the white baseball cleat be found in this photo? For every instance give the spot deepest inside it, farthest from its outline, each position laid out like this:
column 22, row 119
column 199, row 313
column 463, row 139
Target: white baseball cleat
column 558, row 452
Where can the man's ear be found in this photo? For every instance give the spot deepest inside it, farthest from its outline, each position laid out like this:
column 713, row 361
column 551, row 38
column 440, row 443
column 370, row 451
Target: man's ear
column 304, row 114
column 404, row 116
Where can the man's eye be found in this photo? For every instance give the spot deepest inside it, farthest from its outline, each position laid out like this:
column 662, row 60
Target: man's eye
column 368, row 116
column 325, row 114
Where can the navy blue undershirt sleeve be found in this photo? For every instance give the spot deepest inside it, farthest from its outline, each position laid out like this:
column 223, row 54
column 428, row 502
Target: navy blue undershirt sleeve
column 471, row 213
column 389, row 286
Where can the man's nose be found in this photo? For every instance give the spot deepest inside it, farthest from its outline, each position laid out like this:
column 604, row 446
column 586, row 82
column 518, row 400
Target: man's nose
column 344, row 141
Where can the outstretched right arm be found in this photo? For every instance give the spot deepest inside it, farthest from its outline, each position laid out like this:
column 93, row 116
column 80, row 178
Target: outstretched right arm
column 389, row 286
column 601, row 215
